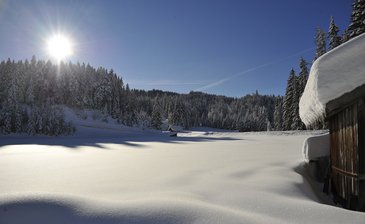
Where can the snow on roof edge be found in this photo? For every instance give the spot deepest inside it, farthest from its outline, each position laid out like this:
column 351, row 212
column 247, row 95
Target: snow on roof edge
column 333, row 74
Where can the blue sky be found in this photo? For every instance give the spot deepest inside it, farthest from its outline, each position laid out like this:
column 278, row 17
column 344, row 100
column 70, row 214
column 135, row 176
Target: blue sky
column 223, row 47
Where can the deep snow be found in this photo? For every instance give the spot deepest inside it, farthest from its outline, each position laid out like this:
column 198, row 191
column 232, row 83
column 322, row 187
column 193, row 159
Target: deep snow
column 316, row 146
column 335, row 73
column 103, row 175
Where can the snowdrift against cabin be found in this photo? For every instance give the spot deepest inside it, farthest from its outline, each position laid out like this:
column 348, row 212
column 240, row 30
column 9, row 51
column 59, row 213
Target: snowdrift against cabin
column 315, row 147
column 337, row 72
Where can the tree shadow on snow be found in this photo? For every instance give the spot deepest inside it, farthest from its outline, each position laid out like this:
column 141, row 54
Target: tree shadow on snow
column 98, row 141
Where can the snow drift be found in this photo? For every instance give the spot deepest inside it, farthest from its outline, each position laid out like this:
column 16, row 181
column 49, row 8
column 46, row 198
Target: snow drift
column 315, row 147
column 122, row 177
column 335, row 73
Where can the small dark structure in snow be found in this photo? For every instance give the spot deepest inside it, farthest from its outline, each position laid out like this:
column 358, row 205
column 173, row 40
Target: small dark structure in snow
column 336, row 89
column 171, row 132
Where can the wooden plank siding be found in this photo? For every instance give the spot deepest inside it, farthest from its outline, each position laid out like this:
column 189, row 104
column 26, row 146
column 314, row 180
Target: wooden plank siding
column 361, row 115
column 347, row 137
column 344, row 147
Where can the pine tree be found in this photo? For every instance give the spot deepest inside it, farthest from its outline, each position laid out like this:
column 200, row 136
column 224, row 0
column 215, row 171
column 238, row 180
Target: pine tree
column 290, row 95
column 6, row 77
column 301, row 83
column 29, row 98
column 334, row 39
column 294, row 109
column 156, row 116
column 357, row 24
column 303, row 76
column 345, row 36
column 32, row 122
column 320, row 43
column 12, row 113
column 5, row 117
column 278, row 115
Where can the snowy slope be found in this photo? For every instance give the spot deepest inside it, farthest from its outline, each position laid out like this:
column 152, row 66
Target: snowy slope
column 194, row 178
column 94, row 123
column 337, row 72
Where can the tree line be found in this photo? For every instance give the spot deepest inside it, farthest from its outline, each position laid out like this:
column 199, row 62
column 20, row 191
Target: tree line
column 33, row 92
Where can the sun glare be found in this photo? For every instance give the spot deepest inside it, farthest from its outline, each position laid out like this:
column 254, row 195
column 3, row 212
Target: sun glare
column 59, row 47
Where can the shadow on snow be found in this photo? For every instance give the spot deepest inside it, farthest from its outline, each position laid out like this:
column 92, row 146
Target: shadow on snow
column 132, row 140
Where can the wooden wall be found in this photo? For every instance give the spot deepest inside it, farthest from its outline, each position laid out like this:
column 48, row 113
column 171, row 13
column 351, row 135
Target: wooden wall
column 361, row 127
column 347, row 151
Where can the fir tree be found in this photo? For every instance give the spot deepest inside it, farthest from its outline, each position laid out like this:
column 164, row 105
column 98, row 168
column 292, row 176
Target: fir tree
column 294, row 109
column 29, row 98
column 345, row 36
column 278, row 115
column 301, row 83
column 357, row 24
column 320, row 43
column 12, row 114
column 289, row 98
column 156, row 116
column 334, row 39
column 303, row 76
column 32, row 122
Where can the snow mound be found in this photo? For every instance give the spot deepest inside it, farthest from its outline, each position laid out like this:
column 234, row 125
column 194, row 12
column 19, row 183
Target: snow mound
column 337, row 72
column 315, row 147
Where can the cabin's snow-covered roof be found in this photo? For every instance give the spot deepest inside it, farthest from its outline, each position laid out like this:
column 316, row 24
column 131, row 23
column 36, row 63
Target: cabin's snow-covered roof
column 335, row 73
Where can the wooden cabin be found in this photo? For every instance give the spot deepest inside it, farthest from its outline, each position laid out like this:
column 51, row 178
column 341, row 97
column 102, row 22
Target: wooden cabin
column 336, row 89
column 346, row 120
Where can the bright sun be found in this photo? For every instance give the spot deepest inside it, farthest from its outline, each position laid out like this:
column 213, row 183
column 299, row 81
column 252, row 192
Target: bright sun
column 59, row 47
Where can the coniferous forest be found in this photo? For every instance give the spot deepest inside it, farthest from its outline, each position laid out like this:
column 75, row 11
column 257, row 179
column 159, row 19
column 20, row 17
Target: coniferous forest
column 34, row 92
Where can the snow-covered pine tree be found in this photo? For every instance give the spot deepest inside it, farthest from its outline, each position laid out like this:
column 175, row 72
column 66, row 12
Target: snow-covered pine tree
column 144, row 120
column 357, row 24
column 245, row 124
column 2, row 119
column 261, row 119
column 294, row 108
column 29, row 98
column 290, row 95
column 32, row 122
column 5, row 79
column 116, row 93
column 12, row 113
column 49, row 124
column 301, row 83
column 320, row 43
column 278, row 115
column 103, row 91
column 334, row 39
column 345, row 36
column 303, row 76
column 6, row 117
column 156, row 116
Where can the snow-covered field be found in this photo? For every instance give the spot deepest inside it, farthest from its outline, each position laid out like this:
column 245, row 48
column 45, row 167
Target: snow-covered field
column 114, row 176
